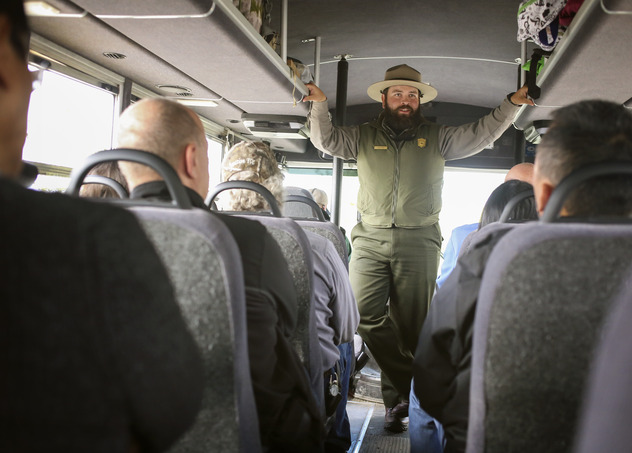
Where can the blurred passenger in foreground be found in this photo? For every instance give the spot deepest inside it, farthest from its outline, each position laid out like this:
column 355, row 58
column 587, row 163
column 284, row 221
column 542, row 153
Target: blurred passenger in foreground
column 581, row 134
column 94, row 352
column 288, row 414
column 336, row 312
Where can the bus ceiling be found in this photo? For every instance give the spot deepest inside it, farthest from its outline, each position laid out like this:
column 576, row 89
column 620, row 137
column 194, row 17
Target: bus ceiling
column 209, row 55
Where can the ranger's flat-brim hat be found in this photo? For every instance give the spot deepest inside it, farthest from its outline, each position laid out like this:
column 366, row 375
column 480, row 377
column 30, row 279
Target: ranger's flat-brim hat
column 402, row 75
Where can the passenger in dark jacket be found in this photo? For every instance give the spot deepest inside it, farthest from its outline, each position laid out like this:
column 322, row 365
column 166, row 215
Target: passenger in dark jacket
column 443, row 358
column 289, row 419
column 581, row 134
column 94, row 352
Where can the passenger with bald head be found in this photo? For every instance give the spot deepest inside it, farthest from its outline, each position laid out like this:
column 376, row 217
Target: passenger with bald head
column 522, row 172
column 289, row 418
column 171, row 131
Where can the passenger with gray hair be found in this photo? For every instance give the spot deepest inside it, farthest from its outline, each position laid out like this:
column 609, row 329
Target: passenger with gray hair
column 336, row 312
column 320, row 197
column 581, row 134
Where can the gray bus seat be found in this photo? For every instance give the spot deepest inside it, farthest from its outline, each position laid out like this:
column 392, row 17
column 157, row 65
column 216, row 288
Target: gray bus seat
column 297, row 252
column 505, row 219
column 204, row 265
column 329, row 231
column 506, row 216
column 310, row 217
column 475, row 237
column 545, row 290
column 299, row 204
column 607, row 409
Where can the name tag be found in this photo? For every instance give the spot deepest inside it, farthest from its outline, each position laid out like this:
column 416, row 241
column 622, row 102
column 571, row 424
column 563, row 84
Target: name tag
column 380, row 147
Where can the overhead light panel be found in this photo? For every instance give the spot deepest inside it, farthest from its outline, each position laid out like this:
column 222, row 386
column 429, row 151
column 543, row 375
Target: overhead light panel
column 40, row 9
column 197, row 102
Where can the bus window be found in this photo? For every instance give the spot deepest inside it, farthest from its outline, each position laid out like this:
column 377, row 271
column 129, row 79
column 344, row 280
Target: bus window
column 214, row 162
column 68, row 120
column 464, row 195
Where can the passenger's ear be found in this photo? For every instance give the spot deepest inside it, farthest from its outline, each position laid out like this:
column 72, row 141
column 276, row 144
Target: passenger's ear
column 190, row 161
column 383, row 101
column 542, row 191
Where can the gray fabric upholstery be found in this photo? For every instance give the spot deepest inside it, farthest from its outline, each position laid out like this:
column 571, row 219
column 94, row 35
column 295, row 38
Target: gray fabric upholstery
column 329, row 231
column 475, row 237
column 205, row 268
column 295, row 209
column 297, row 252
column 542, row 299
column 605, row 424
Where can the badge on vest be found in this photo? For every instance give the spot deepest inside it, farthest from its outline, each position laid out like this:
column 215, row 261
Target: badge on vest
column 421, row 142
column 380, row 147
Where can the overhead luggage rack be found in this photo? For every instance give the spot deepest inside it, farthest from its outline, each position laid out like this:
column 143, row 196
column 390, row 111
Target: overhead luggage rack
column 585, row 64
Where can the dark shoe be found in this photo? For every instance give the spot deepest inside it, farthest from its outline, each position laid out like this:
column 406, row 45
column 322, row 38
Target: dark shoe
column 401, row 409
column 393, row 421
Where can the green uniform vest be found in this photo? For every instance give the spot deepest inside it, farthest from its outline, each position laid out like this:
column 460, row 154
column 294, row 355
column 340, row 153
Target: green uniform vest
column 400, row 183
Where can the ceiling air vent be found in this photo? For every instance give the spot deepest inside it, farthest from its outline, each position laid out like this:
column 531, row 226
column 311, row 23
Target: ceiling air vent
column 114, row 55
column 175, row 90
column 184, row 94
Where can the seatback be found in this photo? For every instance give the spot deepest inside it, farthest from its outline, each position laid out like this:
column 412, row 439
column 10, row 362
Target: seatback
column 295, row 208
column 607, row 408
column 301, row 207
column 297, row 252
column 329, row 231
column 476, row 237
column 543, row 295
column 205, row 268
column 204, row 265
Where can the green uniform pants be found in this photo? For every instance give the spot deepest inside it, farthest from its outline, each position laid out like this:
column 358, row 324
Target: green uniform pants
column 393, row 273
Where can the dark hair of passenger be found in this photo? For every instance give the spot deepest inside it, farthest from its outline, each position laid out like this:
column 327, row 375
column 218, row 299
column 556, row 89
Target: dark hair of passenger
column 109, row 170
column 20, row 31
column 495, row 204
column 585, row 133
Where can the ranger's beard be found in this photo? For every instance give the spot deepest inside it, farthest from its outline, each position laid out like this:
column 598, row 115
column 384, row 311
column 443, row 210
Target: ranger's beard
column 400, row 123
